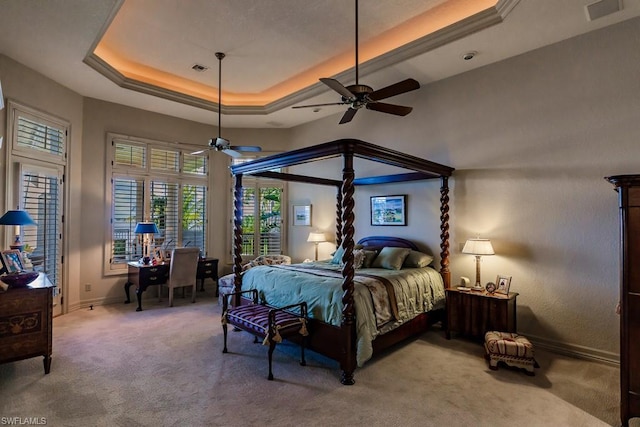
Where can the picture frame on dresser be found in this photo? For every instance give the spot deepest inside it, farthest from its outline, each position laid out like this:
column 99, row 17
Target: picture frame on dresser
column 12, row 261
column 503, row 283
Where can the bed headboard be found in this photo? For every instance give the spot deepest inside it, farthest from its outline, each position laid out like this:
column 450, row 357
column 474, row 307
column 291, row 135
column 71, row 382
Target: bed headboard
column 382, row 241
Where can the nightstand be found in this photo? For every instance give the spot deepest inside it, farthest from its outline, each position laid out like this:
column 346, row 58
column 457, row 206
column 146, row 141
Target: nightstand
column 473, row 313
column 207, row 269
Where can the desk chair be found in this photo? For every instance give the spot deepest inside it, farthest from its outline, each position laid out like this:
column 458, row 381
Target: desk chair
column 182, row 271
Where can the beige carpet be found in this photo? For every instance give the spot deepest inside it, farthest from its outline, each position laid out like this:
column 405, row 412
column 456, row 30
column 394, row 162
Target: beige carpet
column 164, row 366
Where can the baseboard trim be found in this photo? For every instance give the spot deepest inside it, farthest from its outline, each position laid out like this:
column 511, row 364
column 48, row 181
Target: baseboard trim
column 577, row 351
column 97, row 301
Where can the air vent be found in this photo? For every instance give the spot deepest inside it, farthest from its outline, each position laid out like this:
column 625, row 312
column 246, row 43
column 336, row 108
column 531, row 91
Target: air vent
column 199, row 68
column 602, row 8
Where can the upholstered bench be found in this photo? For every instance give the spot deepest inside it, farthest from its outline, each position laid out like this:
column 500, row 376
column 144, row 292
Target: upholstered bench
column 510, row 348
column 272, row 324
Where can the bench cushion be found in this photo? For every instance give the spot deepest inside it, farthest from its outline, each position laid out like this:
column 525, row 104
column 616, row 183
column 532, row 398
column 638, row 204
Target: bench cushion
column 508, row 344
column 255, row 318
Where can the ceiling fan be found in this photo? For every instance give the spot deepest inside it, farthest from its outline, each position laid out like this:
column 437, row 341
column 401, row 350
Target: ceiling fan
column 357, row 95
column 220, row 143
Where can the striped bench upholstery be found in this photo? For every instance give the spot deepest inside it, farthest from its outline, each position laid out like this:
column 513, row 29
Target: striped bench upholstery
column 510, row 348
column 272, row 324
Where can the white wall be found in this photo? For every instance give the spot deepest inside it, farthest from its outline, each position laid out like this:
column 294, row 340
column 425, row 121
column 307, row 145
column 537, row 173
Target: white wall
column 531, row 139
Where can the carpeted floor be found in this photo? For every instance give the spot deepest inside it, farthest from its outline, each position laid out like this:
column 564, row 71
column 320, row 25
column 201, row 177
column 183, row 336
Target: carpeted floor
column 164, row 366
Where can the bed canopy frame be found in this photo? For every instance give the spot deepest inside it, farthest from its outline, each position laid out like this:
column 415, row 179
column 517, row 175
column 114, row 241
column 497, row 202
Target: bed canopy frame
column 339, row 343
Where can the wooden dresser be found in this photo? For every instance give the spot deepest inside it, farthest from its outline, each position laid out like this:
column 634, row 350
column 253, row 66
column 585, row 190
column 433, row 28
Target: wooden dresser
column 628, row 188
column 26, row 318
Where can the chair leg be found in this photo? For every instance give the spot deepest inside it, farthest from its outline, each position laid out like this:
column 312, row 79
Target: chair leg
column 170, row 296
column 224, row 331
column 272, row 346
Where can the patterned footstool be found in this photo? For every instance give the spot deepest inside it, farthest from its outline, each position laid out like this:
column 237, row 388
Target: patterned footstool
column 510, row 348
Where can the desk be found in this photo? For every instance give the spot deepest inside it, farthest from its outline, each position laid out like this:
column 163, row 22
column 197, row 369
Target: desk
column 26, row 318
column 144, row 276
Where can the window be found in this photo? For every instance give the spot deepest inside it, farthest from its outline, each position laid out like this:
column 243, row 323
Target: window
column 158, row 182
column 262, row 219
column 35, row 171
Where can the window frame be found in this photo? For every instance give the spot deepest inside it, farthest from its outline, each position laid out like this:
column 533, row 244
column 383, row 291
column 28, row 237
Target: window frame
column 256, row 183
column 148, row 174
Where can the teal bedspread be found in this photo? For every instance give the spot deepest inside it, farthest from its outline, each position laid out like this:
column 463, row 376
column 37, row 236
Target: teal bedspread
column 383, row 299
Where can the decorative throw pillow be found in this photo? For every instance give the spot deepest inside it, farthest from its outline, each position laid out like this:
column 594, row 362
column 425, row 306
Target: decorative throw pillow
column 369, row 256
column 358, row 258
column 337, row 256
column 417, row 259
column 391, row 258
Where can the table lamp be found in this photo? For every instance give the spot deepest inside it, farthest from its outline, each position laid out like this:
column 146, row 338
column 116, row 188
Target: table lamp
column 17, row 218
column 316, row 237
column 146, row 228
column 478, row 247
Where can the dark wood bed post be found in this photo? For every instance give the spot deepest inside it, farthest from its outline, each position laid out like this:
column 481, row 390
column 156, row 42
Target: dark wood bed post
column 444, row 231
column 237, row 238
column 339, row 218
column 348, row 364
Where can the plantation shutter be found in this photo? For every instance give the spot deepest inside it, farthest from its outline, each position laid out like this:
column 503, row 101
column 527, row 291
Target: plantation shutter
column 270, row 221
column 36, row 134
column 194, row 215
column 128, row 210
column 164, row 212
column 41, row 197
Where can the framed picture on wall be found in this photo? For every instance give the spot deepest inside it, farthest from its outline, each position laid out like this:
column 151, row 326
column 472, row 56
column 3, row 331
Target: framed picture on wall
column 389, row 210
column 301, row 215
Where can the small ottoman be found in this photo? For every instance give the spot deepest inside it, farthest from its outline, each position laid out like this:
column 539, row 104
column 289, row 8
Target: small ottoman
column 510, row 348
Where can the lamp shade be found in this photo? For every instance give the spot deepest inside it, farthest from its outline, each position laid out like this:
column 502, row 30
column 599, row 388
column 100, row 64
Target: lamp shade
column 146, row 227
column 17, row 217
column 316, row 237
column 478, row 247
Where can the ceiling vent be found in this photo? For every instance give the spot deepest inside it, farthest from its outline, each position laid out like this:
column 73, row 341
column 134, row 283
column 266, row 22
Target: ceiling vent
column 199, row 68
column 602, row 8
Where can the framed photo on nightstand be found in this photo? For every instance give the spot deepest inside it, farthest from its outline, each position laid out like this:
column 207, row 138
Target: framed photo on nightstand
column 502, row 284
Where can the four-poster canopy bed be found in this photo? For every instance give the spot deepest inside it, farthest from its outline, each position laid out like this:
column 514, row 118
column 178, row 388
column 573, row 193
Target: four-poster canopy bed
column 339, row 341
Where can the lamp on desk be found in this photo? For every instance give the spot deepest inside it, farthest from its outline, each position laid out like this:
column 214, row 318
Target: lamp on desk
column 17, row 218
column 146, row 229
column 316, row 237
column 478, row 247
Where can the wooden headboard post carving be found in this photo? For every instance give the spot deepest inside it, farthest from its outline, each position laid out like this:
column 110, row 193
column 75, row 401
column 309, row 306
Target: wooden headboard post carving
column 444, row 231
column 348, row 271
column 339, row 218
column 237, row 237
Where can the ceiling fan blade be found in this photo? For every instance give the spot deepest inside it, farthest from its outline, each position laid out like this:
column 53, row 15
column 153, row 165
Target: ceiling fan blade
column 195, row 153
column 243, row 148
column 348, row 115
column 394, row 89
column 338, row 87
column 320, row 105
column 398, row 110
column 231, row 152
